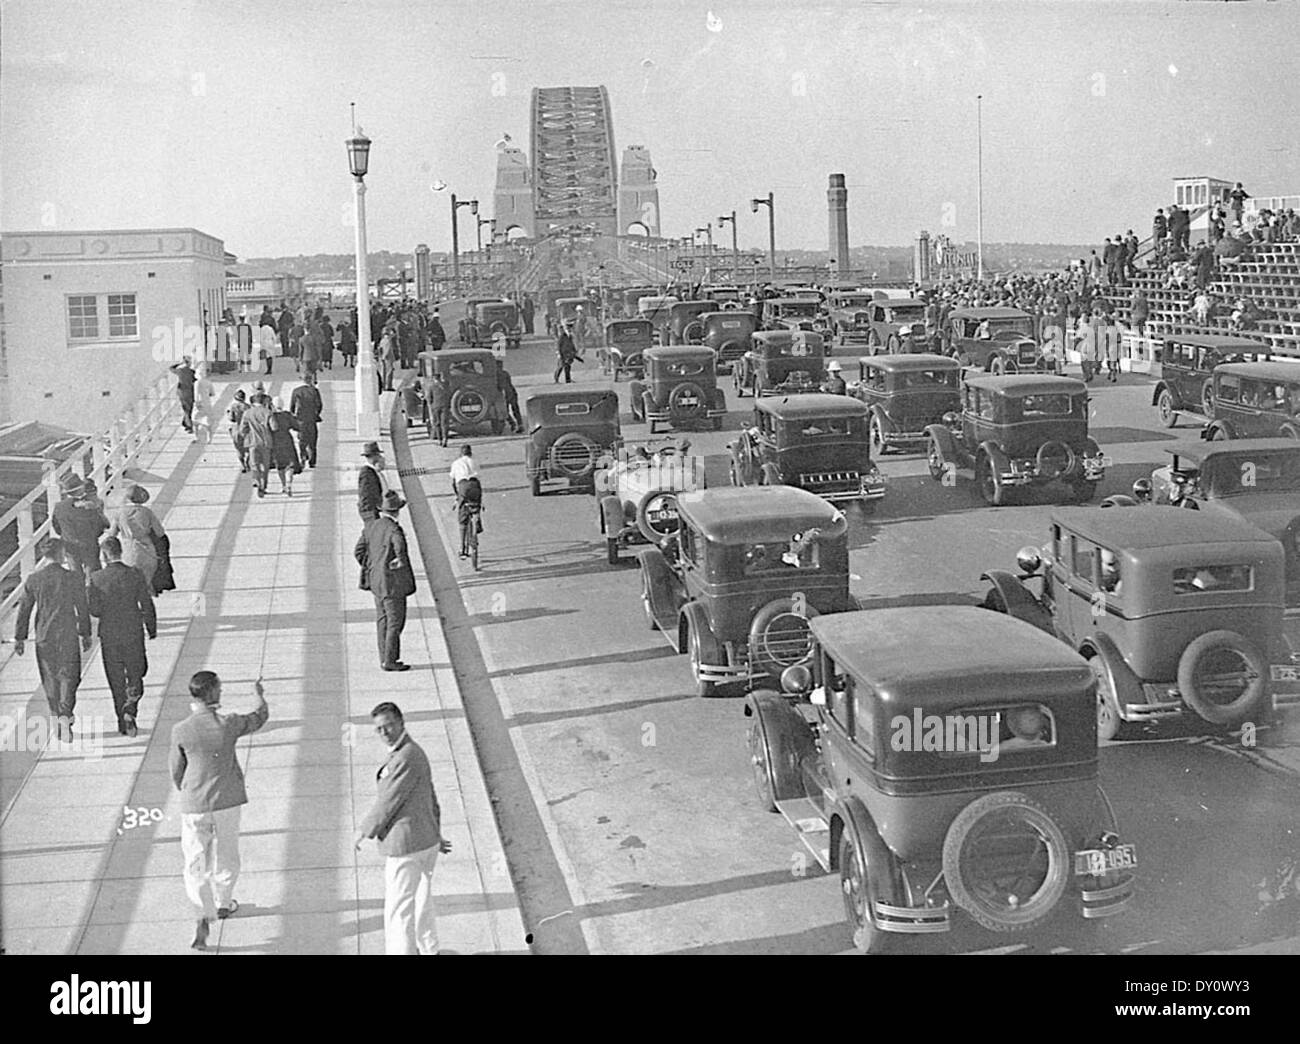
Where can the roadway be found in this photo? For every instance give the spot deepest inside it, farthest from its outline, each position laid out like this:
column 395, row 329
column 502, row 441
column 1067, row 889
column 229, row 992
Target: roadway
column 644, row 789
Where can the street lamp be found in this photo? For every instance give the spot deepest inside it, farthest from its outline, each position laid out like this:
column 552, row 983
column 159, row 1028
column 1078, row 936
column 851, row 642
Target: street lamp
column 979, row 186
column 735, row 250
column 367, row 393
column 455, row 234
column 754, row 204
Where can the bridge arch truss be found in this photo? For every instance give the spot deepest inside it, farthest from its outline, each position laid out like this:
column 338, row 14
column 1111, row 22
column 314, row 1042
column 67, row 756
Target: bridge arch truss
column 575, row 173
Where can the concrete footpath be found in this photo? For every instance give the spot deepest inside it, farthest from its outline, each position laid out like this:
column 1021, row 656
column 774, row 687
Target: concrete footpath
column 90, row 859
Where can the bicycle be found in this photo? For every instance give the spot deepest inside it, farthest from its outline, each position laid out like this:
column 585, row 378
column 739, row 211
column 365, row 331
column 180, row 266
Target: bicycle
column 469, row 513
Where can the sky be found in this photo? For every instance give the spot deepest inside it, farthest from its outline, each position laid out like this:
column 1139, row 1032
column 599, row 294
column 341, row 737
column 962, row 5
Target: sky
column 230, row 115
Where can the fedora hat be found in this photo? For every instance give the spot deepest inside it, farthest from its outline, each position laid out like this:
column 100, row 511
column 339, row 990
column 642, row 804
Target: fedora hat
column 371, row 449
column 392, row 501
column 72, row 484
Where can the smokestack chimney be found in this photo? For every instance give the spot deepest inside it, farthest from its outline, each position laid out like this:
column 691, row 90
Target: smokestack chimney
column 837, row 207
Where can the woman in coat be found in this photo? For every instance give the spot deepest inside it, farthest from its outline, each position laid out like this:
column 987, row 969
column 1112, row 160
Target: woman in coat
column 204, row 393
column 284, row 454
column 136, row 526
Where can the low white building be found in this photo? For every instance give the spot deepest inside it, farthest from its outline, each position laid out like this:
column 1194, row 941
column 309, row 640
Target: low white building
column 92, row 318
column 249, row 293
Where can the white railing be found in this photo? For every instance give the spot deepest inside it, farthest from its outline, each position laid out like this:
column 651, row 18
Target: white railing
column 104, row 458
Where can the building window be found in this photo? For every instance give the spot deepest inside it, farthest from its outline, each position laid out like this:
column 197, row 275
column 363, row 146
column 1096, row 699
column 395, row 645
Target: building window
column 83, row 318
column 122, row 321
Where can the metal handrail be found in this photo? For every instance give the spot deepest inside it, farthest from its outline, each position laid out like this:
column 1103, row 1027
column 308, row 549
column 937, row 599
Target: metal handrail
column 111, row 454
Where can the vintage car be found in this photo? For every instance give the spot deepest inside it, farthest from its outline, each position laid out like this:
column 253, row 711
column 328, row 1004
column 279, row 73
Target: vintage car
column 817, row 442
column 848, row 315
column 781, row 362
column 905, row 394
column 568, row 309
column 655, row 309
column 681, row 323
column 943, row 758
column 680, row 388
column 792, row 313
column 471, row 375
column 492, row 324
column 729, row 335
column 886, row 319
column 745, row 573
column 723, row 293
column 1018, row 430
column 1187, row 362
column 999, row 340
column 1173, row 609
column 1255, row 400
column 625, row 341
column 1257, row 480
column 569, row 430
column 632, row 297
column 638, row 493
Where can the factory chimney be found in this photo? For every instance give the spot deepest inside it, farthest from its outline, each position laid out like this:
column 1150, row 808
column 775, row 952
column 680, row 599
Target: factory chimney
column 837, row 206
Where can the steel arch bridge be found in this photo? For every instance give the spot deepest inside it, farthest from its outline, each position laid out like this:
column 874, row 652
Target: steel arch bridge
column 575, row 176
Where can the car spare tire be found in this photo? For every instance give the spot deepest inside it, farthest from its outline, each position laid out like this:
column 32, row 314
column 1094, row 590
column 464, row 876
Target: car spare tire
column 573, row 455
column 780, row 637
column 468, row 406
column 1054, row 459
column 656, row 515
column 1006, row 861
column 1223, row 677
column 687, row 400
column 693, row 332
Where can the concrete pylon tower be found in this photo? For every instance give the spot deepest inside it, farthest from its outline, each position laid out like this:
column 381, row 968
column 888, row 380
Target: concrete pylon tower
column 638, row 191
column 837, row 206
column 512, row 203
column 423, row 284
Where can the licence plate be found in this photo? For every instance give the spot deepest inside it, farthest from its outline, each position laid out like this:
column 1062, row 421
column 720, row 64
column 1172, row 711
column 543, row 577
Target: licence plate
column 661, row 516
column 1281, row 672
column 1098, row 861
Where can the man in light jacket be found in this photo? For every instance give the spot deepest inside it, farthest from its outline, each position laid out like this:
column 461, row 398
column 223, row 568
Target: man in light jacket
column 406, row 821
column 206, row 771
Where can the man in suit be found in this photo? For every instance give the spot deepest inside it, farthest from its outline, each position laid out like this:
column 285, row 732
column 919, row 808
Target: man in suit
column 121, row 597
column 62, row 630
column 406, row 821
column 258, row 438
column 79, row 521
column 185, row 378
column 371, row 484
column 386, row 569
column 438, row 397
column 307, row 405
column 206, row 771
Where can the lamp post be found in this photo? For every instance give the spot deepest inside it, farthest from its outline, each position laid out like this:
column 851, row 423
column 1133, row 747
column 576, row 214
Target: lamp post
column 754, row 204
column 979, row 186
column 735, row 250
column 455, row 234
column 367, row 392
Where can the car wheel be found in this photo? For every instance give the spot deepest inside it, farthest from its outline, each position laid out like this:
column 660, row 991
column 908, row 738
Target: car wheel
column 1219, row 434
column 1110, row 725
column 893, row 344
column 855, row 884
column 1006, row 862
column 997, row 366
column 1168, row 415
column 1223, row 677
column 877, row 438
column 760, row 766
column 1207, row 398
column 934, row 461
column 702, row 688
column 990, row 485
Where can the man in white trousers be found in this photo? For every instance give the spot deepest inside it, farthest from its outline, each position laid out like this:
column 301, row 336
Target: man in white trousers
column 206, row 771
column 406, row 821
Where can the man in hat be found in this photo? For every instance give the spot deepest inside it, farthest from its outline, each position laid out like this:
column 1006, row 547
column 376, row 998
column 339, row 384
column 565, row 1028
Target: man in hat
column 79, row 522
column 371, row 484
column 307, row 406
column 565, row 353
column 62, row 630
column 206, row 771
column 185, row 379
column 507, row 386
column 436, row 334
column 122, row 599
column 255, row 431
column 406, row 821
column 387, row 574
column 834, row 383
column 437, row 395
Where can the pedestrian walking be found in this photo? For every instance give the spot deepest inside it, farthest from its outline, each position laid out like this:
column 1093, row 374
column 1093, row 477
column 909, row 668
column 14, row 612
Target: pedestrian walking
column 565, row 353
column 201, row 415
column 235, row 414
column 407, row 822
column 529, row 309
column 306, row 404
column 507, row 386
column 138, row 528
column 387, row 574
column 284, row 326
column 79, row 521
column 371, row 484
column 267, row 340
column 1085, row 340
column 437, row 335
column 185, row 379
column 206, row 771
column 326, row 343
column 348, row 344
column 284, row 452
column 388, row 355
column 61, row 632
column 123, row 601
column 255, row 430
column 1110, row 337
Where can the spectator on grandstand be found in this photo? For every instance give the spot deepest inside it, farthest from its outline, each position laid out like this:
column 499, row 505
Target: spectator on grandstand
column 1095, row 267
column 1130, row 255
column 1203, row 264
column 1217, row 228
column 1110, row 259
column 1238, row 196
column 1179, row 227
column 1200, row 309
column 1159, row 232
column 1139, row 311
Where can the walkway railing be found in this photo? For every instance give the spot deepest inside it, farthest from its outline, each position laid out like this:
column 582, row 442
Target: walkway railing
column 104, row 458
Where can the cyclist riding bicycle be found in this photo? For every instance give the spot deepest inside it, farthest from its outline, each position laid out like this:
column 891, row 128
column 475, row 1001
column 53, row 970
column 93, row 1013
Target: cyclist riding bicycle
column 469, row 513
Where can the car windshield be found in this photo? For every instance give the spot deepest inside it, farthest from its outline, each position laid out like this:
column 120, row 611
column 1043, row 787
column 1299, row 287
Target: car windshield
column 628, row 333
column 800, row 552
column 1191, row 580
column 907, row 315
column 911, row 380
column 1034, row 407
column 796, row 349
column 1253, row 473
column 468, row 367
column 853, row 302
column 682, row 368
column 799, row 309
column 998, row 328
column 822, row 427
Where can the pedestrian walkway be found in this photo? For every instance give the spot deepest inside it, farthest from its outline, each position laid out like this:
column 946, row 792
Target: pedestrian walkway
column 90, row 839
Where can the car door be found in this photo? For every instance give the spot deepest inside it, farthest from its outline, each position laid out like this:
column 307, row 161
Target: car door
column 1227, row 402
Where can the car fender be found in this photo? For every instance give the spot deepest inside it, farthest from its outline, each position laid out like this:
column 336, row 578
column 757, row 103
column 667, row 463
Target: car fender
column 613, row 519
column 850, row 814
column 660, row 583
column 694, row 617
column 886, row 425
column 943, row 436
column 788, row 740
column 1125, row 684
column 1160, row 387
column 997, row 458
column 1019, row 600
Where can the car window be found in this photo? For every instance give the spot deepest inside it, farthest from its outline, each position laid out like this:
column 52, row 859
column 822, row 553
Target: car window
column 688, row 544
column 838, row 686
column 1253, row 473
column 1033, row 407
column 823, row 427
column 926, row 379
column 1109, row 578
column 1029, row 726
column 800, row 552
column 800, row 309
column 1057, row 545
column 864, row 719
column 987, row 405
column 907, row 315
column 876, row 379
column 682, row 368
column 1082, row 559
column 1227, row 388
column 572, row 409
column 1003, row 327
column 468, row 368
column 1191, row 580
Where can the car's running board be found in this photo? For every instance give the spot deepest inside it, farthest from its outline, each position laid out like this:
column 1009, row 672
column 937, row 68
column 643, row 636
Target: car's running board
column 813, row 830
